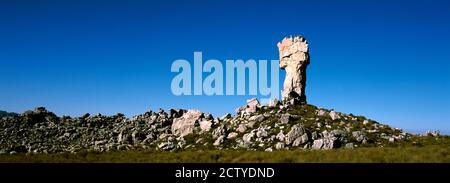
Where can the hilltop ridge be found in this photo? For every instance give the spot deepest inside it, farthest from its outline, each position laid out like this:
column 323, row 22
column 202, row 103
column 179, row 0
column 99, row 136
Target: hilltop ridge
column 276, row 126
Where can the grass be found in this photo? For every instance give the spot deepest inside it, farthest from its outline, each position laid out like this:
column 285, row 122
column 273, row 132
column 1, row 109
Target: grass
column 412, row 154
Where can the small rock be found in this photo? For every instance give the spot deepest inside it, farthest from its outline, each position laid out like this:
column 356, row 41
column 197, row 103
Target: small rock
column 279, row 145
column 317, row 144
column 328, row 143
column 261, row 132
column 247, row 138
column 334, row 115
column 219, row 141
column 280, row 136
column 232, row 135
column 365, row 122
column 296, row 131
column 392, row 139
column 359, row 136
column 300, row 140
column 241, row 128
column 321, row 112
column 285, row 118
column 273, row 103
column 252, row 106
column 349, row 146
column 166, row 146
column 258, row 118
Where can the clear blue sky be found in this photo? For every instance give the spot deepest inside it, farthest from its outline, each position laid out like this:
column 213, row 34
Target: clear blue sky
column 388, row 60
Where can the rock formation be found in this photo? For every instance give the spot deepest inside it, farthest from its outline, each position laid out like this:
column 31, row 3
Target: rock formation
column 275, row 126
column 294, row 58
column 283, row 126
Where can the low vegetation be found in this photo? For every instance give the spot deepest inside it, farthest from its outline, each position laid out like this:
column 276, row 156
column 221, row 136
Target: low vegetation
column 419, row 150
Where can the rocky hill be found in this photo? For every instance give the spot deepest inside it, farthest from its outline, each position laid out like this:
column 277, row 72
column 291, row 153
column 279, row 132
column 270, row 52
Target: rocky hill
column 7, row 114
column 277, row 126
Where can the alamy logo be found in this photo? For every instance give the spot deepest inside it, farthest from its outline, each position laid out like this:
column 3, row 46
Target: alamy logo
column 258, row 78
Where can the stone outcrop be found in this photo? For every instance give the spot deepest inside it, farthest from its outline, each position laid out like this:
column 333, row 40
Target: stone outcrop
column 277, row 126
column 185, row 124
column 294, row 58
column 270, row 128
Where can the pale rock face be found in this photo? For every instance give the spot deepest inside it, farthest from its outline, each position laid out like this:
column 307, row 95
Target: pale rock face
column 328, row 143
column 120, row 138
column 261, row 132
column 205, row 126
column 232, row 135
column 300, row 140
column 219, row 141
column 247, row 138
column 257, row 118
column 218, row 132
column 252, row 105
column 280, row 136
column 321, row 112
column 296, row 132
column 294, row 58
column 285, row 118
column 320, row 144
column 185, row 124
column 359, row 136
column 365, row 122
column 334, row 115
column 241, row 128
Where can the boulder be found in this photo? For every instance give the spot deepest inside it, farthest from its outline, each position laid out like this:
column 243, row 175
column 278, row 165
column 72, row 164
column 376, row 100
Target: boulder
column 317, row 144
column 325, row 144
column 334, row 115
column 205, row 125
column 232, row 135
column 359, row 136
column 241, row 128
column 166, row 146
column 321, row 112
column 329, row 143
column 296, row 132
column 279, row 145
column 261, row 132
column 217, row 132
column 247, row 138
column 185, row 124
column 257, row 118
column 280, row 136
column 285, row 118
column 300, row 140
column 350, row 146
column 252, row 106
column 219, row 141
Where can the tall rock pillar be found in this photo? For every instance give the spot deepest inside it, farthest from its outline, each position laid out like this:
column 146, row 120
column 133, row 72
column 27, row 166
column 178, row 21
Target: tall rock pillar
column 294, row 58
